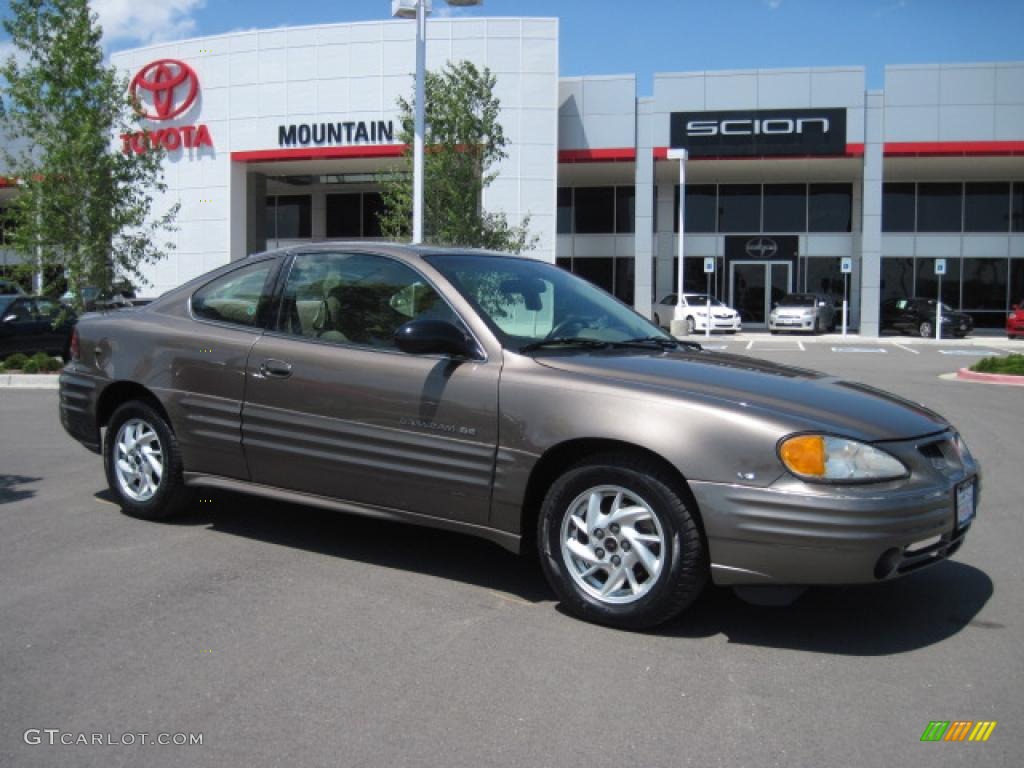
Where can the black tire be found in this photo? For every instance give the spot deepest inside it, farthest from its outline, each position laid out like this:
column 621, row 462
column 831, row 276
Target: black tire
column 684, row 568
column 171, row 495
column 773, row 332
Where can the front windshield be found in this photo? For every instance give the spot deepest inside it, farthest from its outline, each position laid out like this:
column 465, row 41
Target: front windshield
column 526, row 301
column 702, row 298
column 799, row 300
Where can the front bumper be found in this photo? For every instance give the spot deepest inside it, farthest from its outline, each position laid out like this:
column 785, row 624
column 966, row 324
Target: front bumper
column 855, row 535
column 718, row 324
column 800, row 323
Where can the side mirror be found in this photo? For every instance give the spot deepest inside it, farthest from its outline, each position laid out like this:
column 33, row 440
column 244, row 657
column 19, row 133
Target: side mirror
column 434, row 337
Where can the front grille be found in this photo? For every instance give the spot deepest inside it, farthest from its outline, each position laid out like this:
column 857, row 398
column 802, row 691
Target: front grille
column 942, row 455
column 940, row 550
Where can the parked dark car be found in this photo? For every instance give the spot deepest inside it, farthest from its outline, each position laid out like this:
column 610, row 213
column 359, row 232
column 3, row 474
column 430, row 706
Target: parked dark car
column 917, row 316
column 27, row 325
column 1015, row 321
column 509, row 399
column 813, row 312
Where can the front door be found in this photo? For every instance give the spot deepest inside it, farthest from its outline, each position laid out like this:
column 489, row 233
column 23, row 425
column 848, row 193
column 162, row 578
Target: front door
column 754, row 286
column 334, row 409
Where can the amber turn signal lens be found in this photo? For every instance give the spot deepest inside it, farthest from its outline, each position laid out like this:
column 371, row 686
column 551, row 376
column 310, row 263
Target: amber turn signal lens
column 804, row 455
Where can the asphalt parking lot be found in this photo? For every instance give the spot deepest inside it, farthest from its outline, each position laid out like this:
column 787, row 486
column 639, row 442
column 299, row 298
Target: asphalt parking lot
column 293, row 636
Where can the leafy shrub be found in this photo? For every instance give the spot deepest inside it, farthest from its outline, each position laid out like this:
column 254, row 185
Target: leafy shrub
column 30, row 367
column 51, row 364
column 41, row 358
column 1011, row 364
column 15, row 362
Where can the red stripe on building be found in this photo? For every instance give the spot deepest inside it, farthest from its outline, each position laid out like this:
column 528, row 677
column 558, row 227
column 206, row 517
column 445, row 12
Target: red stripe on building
column 622, row 155
column 953, row 148
column 900, row 149
column 318, row 153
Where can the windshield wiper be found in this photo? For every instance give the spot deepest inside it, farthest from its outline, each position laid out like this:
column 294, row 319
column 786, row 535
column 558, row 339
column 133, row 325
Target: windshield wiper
column 564, row 341
column 661, row 341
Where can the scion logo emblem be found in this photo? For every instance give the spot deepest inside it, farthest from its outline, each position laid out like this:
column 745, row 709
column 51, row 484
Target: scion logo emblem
column 761, row 247
column 171, row 85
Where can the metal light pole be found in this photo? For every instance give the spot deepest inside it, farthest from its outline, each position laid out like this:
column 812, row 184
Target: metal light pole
column 418, row 9
column 678, row 323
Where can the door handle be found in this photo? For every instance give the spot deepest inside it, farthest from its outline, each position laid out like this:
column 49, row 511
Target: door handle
column 276, row 368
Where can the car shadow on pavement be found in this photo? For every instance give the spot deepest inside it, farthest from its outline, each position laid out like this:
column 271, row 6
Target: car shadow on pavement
column 444, row 554
column 906, row 614
column 10, row 490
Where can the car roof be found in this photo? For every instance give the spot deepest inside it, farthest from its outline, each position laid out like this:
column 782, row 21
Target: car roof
column 398, row 249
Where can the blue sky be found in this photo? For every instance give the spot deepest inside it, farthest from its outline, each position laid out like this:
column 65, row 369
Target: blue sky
column 647, row 36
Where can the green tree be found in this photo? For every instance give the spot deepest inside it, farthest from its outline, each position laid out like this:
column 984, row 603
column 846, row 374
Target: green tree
column 85, row 208
column 463, row 140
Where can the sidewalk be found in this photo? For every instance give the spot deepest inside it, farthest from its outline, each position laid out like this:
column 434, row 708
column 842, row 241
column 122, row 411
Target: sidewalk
column 29, row 380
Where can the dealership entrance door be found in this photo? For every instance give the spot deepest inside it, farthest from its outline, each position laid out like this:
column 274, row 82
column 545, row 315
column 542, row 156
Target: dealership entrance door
column 754, row 286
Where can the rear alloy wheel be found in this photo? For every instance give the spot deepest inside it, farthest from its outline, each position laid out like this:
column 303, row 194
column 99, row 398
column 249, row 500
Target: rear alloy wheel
column 143, row 462
column 691, row 325
column 926, row 330
column 619, row 543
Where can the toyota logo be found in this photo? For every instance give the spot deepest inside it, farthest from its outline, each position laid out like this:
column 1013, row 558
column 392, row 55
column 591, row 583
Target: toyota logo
column 761, row 247
column 170, row 85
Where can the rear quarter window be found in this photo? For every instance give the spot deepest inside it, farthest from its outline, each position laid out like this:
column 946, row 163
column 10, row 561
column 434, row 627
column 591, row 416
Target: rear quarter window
column 236, row 297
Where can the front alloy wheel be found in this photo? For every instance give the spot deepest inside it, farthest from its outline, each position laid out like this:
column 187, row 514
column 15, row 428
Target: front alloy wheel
column 926, row 330
column 612, row 544
column 620, row 542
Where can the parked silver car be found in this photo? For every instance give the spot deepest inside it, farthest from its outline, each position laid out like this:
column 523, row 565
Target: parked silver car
column 509, row 399
column 813, row 312
column 695, row 313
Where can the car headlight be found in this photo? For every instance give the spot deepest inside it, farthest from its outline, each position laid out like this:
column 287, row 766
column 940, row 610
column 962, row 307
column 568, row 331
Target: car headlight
column 835, row 459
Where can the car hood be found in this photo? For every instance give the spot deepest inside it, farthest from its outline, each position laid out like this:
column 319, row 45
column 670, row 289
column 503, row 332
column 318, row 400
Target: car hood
column 804, row 400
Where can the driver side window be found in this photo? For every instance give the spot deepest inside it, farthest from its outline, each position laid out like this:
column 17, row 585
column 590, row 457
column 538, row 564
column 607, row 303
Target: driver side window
column 356, row 298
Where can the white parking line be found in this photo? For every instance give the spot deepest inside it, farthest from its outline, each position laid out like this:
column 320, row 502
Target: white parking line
column 718, row 347
column 801, row 345
column 970, row 352
column 750, row 344
column 871, row 350
column 911, row 350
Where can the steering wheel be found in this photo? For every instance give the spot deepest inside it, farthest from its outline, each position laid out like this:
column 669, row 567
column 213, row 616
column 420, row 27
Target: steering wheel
column 568, row 327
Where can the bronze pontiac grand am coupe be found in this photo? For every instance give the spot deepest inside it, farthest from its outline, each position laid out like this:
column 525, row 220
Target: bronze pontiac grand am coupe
column 506, row 398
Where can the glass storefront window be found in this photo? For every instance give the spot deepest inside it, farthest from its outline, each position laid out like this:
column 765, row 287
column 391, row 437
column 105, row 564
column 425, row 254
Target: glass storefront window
column 594, row 210
column 1017, row 282
column 898, row 207
column 625, row 280
column 987, row 206
column 625, row 209
column 830, row 207
column 984, row 284
column 785, row 208
column 565, row 210
column 373, row 206
column 701, row 203
column 289, row 217
column 344, row 215
column 599, row 271
column 897, row 278
column 939, row 207
column 824, row 275
column 739, row 208
column 926, row 285
column 1017, row 207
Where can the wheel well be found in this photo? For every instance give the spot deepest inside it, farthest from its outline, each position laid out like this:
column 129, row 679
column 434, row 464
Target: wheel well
column 564, row 455
column 121, row 392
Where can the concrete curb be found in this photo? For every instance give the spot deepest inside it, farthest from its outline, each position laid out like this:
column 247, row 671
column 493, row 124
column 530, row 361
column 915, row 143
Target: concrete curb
column 965, row 374
column 29, row 380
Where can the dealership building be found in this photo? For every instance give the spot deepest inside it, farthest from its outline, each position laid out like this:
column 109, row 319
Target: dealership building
column 281, row 136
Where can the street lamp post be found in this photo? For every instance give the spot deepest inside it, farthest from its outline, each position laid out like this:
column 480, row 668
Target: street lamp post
column 418, row 9
column 678, row 323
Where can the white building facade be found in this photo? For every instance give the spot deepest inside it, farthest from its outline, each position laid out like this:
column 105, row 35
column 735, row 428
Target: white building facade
column 280, row 136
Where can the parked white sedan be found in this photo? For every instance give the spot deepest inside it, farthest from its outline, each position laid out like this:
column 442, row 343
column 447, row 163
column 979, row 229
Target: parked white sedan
column 723, row 317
